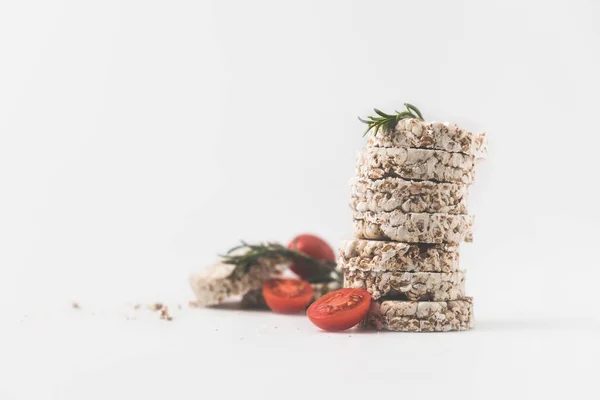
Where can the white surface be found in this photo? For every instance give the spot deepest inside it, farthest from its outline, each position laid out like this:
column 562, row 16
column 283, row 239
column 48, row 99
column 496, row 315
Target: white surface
column 208, row 353
column 138, row 139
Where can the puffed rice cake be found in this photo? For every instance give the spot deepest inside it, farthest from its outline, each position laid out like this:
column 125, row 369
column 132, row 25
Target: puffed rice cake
column 445, row 136
column 420, row 316
column 378, row 255
column 414, row 227
column 423, row 286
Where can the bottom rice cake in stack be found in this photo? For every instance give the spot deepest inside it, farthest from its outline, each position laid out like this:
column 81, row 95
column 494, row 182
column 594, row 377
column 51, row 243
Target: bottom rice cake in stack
column 409, row 203
column 421, row 316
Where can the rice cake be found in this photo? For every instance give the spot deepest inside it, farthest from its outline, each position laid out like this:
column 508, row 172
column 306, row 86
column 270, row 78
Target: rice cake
column 424, row 286
column 215, row 283
column 414, row 227
column 420, row 316
column 377, row 255
column 389, row 194
column 420, row 164
column 445, row 136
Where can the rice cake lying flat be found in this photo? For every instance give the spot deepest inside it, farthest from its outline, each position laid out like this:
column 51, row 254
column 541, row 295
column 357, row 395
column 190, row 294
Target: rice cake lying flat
column 414, row 227
column 421, row 164
column 390, row 194
column 215, row 283
column 430, row 286
column 445, row 136
column 420, row 316
column 376, row 255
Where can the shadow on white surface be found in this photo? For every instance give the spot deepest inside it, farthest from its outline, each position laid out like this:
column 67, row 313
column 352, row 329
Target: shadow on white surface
column 237, row 306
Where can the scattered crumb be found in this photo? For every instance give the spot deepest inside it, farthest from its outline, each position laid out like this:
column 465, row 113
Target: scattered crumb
column 156, row 306
column 163, row 311
column 192, row 304
column 164, row 314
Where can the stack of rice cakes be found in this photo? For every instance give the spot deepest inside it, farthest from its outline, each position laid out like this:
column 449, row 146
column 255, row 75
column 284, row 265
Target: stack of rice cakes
column 409, row 202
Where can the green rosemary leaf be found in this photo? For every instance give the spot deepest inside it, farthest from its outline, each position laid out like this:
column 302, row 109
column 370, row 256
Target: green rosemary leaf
column 233, row 249
column 405, row 114
column 415, row 109
column 323, row 271
column 383, row 121
column 381, row 113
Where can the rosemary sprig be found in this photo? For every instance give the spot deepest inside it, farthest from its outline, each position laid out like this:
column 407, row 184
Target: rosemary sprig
column 386, row 122
column 246, row 255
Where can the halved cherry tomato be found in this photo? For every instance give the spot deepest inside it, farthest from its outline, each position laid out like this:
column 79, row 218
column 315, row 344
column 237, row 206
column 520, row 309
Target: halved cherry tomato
column 340, row 310
column 313, row 246
column 287, row 295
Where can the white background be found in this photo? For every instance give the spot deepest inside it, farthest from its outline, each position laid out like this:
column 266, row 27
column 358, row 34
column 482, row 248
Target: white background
column 138, row 139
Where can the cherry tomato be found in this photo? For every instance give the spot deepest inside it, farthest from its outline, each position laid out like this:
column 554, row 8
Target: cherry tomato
column 340, row 310
column 313, row 246
column 287, row 295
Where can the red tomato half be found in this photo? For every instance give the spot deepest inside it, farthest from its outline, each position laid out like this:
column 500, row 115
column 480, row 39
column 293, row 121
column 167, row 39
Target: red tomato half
column 287, row 295
column 339, row 310
column 313, row 246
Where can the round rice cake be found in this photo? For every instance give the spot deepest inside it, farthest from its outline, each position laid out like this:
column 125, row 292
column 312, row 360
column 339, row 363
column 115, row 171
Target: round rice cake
column 420, row 316
column 377, row 255
column 414, row 227
column 445, row 136
column 421, row 164
column 423, row 286
column 216, row 283
column 389, row 194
